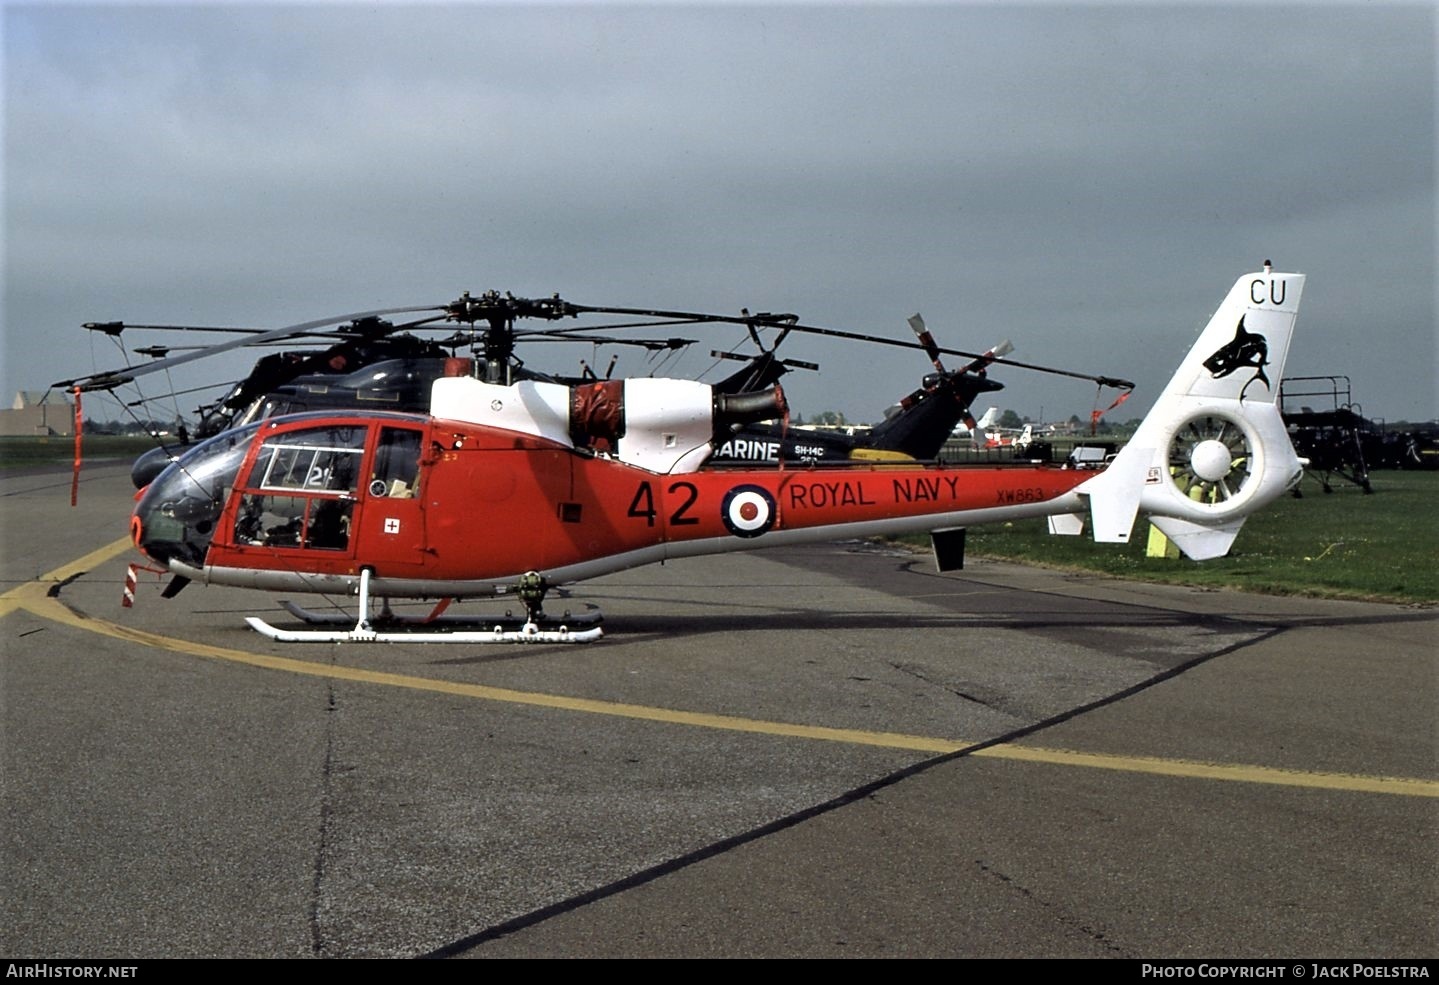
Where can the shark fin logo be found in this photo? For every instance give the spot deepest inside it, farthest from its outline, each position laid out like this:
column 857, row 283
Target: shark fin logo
column 1248, row 350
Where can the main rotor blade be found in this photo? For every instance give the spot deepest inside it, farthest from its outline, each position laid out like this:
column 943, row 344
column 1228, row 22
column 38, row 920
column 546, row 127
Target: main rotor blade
column 766, row 319
column 741, row 357
column 903, row 344
column 581, row 330
column 113, row 378
column 790, row 323
column 506, row 309
column 652, row 344
column 118, row 327
column 179, row 393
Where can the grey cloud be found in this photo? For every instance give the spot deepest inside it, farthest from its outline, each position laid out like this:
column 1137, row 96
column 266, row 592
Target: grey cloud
column 1085, row 179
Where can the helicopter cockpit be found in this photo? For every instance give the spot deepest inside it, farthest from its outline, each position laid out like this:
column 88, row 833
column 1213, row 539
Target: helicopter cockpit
column 301, row 490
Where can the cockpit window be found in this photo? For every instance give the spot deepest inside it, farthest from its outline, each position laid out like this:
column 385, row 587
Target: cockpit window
column 315, row 460
column 397, row 464
column 303, row 484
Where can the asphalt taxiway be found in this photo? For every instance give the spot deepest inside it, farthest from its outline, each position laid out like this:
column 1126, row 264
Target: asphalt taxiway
column 819, row 752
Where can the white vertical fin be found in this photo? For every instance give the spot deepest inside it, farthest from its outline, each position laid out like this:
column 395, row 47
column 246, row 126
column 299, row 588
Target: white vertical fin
column 1213, row 449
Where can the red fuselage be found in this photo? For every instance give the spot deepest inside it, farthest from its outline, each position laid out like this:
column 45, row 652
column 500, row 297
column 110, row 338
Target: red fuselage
column 436, row 507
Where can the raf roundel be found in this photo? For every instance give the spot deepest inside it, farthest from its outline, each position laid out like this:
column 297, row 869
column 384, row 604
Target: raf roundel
column 747, row 511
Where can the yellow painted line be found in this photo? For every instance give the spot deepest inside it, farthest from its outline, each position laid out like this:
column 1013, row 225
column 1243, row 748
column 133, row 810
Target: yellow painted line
column 1193, row 769
column 24, row 596
column 32, row 597
column 52, row 609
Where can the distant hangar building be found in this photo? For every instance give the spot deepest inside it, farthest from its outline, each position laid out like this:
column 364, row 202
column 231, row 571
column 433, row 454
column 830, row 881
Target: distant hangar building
column 39, row 413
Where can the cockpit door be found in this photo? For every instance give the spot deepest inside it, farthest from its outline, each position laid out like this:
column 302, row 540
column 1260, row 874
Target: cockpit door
column 302, row 492
column 392, row 524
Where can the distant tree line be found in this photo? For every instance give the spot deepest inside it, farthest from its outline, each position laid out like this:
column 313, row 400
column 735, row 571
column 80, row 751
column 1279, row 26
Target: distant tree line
column 132, row 427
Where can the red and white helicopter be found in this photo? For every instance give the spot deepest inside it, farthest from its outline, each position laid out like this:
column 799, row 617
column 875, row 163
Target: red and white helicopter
column 1001, row 437
column 516, row 487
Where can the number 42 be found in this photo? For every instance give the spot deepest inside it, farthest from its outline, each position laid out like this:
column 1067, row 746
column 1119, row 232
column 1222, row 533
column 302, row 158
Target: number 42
column 642, row 507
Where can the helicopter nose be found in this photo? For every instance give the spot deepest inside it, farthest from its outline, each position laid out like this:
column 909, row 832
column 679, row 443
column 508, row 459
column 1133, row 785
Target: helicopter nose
column 176, row 514
column 176, row 529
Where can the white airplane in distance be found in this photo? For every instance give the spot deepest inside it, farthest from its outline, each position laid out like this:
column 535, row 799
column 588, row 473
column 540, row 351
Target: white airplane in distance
column 981, row 426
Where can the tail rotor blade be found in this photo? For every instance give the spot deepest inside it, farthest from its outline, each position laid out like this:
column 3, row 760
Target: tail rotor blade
column 998, row 352
column 926, row 341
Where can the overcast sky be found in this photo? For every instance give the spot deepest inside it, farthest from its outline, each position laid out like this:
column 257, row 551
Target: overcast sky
column 1087, row 180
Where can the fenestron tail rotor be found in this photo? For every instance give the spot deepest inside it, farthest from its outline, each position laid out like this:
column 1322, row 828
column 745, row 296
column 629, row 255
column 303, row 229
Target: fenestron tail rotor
column 1211, row 460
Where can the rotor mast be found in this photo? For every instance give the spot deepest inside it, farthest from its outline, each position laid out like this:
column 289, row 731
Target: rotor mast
column 499, row 311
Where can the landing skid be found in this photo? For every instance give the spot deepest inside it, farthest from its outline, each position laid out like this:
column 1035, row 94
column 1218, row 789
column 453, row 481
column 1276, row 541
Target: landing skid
column 528, row 633
column 533, row 627
column 593, row 617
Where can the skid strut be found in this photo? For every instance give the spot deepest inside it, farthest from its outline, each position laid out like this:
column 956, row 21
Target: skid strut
column 531, row 590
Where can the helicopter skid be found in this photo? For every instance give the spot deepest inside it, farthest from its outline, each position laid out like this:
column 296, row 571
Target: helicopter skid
column 387, row 619
column 535, row 627
column 527, row 633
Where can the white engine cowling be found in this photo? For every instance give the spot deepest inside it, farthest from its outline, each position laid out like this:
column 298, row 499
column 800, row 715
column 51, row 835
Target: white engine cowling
column 668, row 424
column 661, row 425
